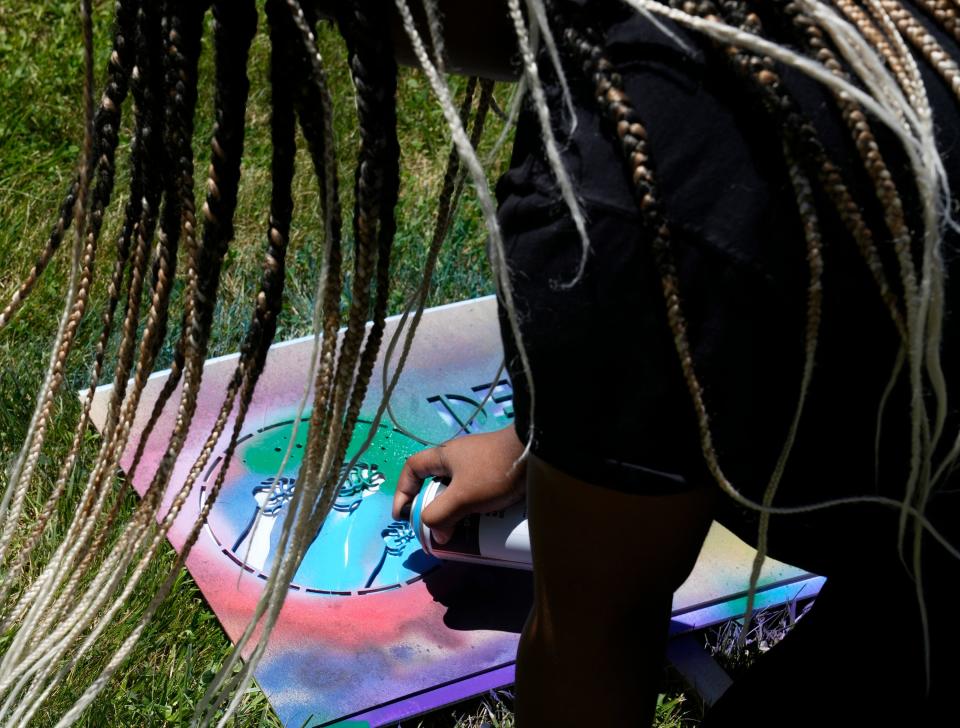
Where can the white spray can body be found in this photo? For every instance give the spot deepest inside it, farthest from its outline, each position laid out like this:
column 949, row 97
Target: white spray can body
column 499, row 538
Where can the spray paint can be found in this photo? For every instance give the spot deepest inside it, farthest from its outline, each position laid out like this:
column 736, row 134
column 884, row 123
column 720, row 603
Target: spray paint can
column 499, row 538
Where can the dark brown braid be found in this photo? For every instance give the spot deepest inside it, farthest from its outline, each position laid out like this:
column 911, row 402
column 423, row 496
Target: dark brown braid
column 253, row 352
column 318, row 132
column 378, row 177
column 232, row 87
column 375, row 195
column 945, row 14
column 181, row 28
column 161, row 32
column 936, row 56
column 181, row 45
column 315, row 111
column 764, row 84
column 123, row 60
column 182, row 54
column 184, row 90
column 176, row 160
column 631, row 134
column 268, row 302
column 886, row 191
column 366, row 44
column 234, row 26
column 106, row 127
column 147, row 148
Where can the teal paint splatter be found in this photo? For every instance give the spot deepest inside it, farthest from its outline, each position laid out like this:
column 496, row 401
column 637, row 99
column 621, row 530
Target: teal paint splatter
column 265, row 450
column 389, row 450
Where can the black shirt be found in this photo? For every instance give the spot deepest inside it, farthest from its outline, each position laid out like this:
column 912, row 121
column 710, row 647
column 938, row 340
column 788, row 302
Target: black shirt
column 611, row 404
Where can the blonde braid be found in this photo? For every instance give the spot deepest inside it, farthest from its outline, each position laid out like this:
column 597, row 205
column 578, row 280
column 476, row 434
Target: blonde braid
column 915, row 316
column 564, row 183
column 923, row 351
column 950, row 72
column 776, row 100
column 884, row 187
column 806, row 207
column 915, row 301
column 223, row 206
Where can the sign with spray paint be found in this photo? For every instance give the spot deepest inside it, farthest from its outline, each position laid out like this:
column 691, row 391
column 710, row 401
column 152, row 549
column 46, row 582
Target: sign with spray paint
column 375, row 627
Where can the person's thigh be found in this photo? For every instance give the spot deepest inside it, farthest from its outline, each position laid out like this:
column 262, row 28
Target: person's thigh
column 606, row 564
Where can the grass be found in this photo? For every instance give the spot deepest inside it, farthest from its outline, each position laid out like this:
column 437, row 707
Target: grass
column 495, row 710
column 40, row 130
column 736, row 650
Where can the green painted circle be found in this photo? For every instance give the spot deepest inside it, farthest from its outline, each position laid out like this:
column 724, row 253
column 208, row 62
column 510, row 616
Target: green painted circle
column 389, row 448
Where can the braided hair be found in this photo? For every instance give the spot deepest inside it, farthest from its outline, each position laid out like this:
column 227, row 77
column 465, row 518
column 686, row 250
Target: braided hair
column 915, row 305
column 869, row 69
column 866, row 54
column 60, row 614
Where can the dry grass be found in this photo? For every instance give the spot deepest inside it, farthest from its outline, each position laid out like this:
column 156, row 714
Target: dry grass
column 737, row 650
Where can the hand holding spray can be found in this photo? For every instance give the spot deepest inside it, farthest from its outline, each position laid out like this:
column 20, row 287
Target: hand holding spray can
column 499, row 538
